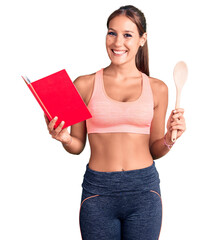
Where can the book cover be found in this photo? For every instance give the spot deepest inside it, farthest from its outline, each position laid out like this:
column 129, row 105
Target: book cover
column 57, row 96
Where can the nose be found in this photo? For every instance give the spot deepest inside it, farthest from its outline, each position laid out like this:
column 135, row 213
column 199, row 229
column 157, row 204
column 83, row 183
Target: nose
column 118, row 41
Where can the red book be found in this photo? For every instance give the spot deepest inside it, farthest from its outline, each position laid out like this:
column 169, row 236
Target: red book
column 57, row 96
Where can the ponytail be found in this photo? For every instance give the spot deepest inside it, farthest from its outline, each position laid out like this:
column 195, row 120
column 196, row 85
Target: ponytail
column 142, row 59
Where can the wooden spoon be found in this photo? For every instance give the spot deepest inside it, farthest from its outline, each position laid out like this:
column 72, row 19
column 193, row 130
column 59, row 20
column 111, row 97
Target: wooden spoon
column 180, row 77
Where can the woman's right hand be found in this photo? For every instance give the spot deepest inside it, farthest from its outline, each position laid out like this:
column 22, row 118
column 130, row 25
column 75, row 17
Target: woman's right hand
column 59, row 134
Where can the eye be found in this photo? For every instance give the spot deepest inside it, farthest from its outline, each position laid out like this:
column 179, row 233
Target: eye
column 111, row 33
column 128, row 35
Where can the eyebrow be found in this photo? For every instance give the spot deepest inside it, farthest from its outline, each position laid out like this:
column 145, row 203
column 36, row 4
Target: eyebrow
column 124, row 31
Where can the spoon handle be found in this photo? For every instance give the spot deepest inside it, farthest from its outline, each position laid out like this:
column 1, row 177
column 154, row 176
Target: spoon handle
column 178, row 96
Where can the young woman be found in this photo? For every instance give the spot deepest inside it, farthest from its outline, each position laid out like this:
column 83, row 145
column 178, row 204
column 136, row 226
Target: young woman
column 121, row 196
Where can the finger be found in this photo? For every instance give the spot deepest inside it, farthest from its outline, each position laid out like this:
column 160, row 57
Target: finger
column 179, row 120
column 178, row 110
column 172, row 112
column 46, row 119
column 177, row 115
column 51, row 126
column 181, row 117
column 178, row 127
column 170, row 117
column 175, row 123
column 59, row 127
column 52, row 123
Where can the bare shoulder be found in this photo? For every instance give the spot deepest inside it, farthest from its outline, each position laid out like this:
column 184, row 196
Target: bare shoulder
column 84, row 84
column 83, row 81
column 158, row 85
column 160, row 91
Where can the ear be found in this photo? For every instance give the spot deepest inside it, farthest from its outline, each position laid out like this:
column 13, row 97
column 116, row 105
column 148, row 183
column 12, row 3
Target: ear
column 143, row 39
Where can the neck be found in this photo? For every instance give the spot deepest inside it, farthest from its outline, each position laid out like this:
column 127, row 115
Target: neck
column 122, row 70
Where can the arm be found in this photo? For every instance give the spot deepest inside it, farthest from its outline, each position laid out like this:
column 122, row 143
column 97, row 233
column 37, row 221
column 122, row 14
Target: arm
column 78, row 139
column 176, row 121
column 74, row 146
column 74, row 142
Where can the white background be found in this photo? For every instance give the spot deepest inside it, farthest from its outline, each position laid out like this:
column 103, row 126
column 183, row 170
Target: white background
column 40, row 183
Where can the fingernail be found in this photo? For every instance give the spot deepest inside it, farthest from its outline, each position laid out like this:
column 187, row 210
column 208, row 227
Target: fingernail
column 62, row 122
column 55, row 118
column 174, row 111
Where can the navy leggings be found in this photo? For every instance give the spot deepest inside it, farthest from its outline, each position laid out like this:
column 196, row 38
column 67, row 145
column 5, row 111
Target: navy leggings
column 122, row 205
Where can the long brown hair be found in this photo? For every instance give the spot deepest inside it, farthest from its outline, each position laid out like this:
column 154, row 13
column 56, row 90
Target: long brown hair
column 137, row 17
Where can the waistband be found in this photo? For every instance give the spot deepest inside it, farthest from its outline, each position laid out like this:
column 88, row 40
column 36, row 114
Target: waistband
column 105, row 183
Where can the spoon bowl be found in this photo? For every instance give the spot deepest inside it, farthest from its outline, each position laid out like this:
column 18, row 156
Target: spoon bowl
column 180, row 74
column 180, row 77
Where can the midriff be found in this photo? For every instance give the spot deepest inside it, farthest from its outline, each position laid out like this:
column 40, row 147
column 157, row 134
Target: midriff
column 119, row 151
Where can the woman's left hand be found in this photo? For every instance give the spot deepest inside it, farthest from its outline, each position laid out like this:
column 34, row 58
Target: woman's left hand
column 176, row 121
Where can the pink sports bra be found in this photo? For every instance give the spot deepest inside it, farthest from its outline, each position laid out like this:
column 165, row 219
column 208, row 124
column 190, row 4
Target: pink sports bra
column 109, row 115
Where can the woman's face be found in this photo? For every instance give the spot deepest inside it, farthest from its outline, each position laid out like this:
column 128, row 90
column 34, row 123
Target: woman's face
column 123, row 40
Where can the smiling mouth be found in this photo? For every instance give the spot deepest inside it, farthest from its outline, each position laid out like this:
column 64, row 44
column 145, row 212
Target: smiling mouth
column 119, row 52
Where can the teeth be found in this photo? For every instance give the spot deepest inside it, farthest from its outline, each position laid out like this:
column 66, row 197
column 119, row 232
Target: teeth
column 118, row 52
